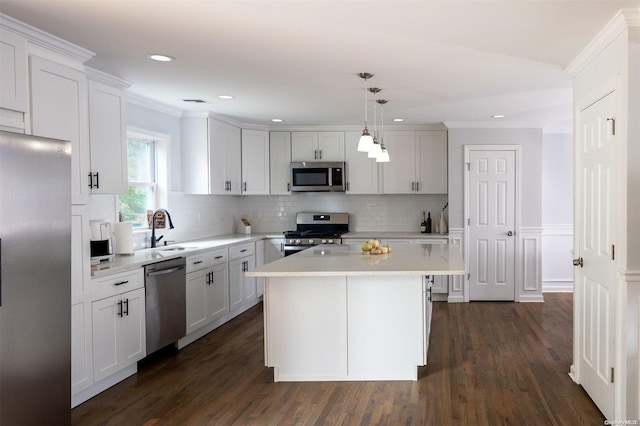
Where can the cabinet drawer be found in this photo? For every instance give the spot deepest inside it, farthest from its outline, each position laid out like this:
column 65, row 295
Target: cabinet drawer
column 111, row 285
column 242, row 250
column 206, row 260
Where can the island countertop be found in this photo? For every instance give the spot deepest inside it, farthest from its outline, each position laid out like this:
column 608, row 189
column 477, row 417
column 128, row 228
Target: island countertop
column 349, row 260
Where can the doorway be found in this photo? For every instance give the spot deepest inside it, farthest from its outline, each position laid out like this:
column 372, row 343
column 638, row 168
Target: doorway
column 491, row 210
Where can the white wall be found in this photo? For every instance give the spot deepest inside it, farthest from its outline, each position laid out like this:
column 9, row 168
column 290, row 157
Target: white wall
column 557, row 212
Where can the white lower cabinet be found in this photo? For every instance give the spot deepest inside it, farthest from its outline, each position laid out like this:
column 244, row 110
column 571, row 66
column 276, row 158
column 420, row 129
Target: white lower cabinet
column 207, row 288
column 119, row 337
column 260, row 260
column 241, row 289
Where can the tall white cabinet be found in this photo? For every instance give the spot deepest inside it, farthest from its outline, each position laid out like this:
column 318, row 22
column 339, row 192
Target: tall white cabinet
column 280, row 163
column 107, row 134
column 362, row 171
column 255, row 162
column 212, row 150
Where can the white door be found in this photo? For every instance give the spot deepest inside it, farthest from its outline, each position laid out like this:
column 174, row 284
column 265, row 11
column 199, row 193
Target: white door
column 492, row 190
column 595, row 204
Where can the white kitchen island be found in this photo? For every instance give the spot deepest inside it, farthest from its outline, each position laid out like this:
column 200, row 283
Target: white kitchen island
column 333, row 313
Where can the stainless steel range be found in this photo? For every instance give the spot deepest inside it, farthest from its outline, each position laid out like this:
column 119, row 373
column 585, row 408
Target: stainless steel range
column 315, row 228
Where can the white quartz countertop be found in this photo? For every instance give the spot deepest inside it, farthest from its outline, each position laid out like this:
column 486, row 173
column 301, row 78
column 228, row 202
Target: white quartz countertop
column 139, row 258
column 390, row 235
column 349, row 260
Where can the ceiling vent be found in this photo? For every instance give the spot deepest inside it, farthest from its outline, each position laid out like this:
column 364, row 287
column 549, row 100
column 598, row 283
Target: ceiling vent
column 195, row 101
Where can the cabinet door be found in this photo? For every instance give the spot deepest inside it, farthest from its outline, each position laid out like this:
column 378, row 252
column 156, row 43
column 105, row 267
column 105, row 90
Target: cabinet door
column 59, row 110
column 233, row 158
column 255, row 162
column 280, row 163
column 108, row 139
column 132, row 336
column 304, row 146
column 362, row 172
column 218, row 292
column 399, row 175
column 273, row 249
column 104, row 315
column 196, row 138
column 260, row 257
column 249, row 283
column 331, row 146
column 218, row 181
column 13, row 80
column 196, row 300
column 81, row 347
column 431, row 170
column 236, row 283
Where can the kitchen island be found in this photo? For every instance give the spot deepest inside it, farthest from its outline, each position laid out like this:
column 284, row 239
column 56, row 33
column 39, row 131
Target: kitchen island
column 333, row 313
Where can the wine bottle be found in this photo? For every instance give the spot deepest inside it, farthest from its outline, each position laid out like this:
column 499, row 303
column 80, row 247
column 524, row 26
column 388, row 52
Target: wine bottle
column 423, row 224
column 428, row 230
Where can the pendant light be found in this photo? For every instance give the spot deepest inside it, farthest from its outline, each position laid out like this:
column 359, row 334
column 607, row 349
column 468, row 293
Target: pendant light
column 383, row 157
column 374, row 151
column 366, row 141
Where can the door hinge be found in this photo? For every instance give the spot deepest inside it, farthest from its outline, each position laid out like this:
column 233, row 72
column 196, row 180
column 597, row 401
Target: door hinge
column 611, row 374
column 468, row 166
column 613, row 125
column 469, row 276
column 613, row 252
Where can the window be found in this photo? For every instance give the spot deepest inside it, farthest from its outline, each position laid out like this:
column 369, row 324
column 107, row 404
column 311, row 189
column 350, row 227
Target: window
column 143, row 183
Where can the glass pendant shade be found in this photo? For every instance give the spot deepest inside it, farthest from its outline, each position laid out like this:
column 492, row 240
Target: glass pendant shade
column 374, row 151
column 383, row 157
column 366, row 141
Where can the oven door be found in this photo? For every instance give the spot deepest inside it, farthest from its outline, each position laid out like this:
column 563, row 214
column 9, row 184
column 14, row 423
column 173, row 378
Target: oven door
column 289, row 250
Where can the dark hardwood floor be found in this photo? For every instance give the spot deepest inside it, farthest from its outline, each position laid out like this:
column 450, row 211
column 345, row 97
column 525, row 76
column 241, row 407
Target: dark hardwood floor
column 490, row 363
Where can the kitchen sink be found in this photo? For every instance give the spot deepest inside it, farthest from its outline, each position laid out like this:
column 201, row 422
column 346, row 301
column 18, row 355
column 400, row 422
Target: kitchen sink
column 176, row 248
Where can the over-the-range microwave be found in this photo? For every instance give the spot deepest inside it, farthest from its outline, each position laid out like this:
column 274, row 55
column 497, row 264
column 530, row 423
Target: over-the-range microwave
column 313, row 176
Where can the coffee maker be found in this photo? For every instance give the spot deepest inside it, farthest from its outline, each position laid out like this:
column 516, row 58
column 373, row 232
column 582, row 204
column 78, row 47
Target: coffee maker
column 101, row 248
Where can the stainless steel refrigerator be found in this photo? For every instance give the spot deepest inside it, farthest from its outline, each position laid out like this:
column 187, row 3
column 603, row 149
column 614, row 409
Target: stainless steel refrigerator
column 35, row 280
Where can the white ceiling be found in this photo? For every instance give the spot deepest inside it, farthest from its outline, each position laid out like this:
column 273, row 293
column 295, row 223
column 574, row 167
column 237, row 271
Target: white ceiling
column 436, row 61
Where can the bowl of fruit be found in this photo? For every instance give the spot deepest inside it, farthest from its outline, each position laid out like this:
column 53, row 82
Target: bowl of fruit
column 374, row 247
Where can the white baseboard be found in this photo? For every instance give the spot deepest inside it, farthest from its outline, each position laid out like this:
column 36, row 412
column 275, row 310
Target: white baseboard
column 557, row 286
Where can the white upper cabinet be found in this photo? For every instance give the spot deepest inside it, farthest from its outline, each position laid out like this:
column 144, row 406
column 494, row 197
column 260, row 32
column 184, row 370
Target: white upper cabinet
column 399, row 175
column 211, row 155
column 255, row 162
column 418, row 162
column 59, row 110
column 107, row 136
column 362, row 172
column 280, row 162
column 317, row 146
column 13, row 81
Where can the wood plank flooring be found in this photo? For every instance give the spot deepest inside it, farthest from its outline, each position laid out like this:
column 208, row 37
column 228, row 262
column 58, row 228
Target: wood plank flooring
column 490, row 363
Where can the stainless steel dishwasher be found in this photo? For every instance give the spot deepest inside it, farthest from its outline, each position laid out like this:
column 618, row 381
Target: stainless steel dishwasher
column 165, row 303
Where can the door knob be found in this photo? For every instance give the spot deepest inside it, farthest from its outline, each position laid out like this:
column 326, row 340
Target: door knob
column 510, row 233
column 578, row 262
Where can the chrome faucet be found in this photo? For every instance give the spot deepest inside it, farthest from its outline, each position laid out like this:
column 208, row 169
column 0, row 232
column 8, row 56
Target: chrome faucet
column 153, row 226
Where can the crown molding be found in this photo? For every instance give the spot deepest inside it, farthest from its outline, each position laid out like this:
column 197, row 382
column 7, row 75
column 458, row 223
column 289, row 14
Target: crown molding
column 108, row 79
column 45, row 40
column 492, row 125
column 624, row 19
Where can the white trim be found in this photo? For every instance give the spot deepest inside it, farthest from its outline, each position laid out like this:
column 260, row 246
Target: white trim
column 557, row 230
column 45, row 40
column 624, row 18
column 492, row 125
column 104, row 78
column 559, row 285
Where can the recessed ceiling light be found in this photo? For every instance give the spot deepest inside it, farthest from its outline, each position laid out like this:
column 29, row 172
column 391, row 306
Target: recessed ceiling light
column 225, row 96
column 277, row 120
column 398, row 119
column 498, row 116
column 160, row 58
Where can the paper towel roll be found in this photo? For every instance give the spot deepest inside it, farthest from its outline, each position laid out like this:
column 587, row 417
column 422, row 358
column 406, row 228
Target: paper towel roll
column 123, row 237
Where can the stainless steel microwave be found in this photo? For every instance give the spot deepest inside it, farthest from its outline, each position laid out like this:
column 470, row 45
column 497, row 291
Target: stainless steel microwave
column 311, row 176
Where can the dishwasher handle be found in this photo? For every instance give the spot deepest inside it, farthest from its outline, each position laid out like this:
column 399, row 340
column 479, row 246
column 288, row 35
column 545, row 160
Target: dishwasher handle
column 164, row 271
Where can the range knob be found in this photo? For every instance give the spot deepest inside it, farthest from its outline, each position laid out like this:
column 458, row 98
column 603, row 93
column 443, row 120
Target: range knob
column 298, row 241
column 330, row 241
column 324, row 241
column 310, row 241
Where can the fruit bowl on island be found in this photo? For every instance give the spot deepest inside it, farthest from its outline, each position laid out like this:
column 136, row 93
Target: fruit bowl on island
column 374, row 247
